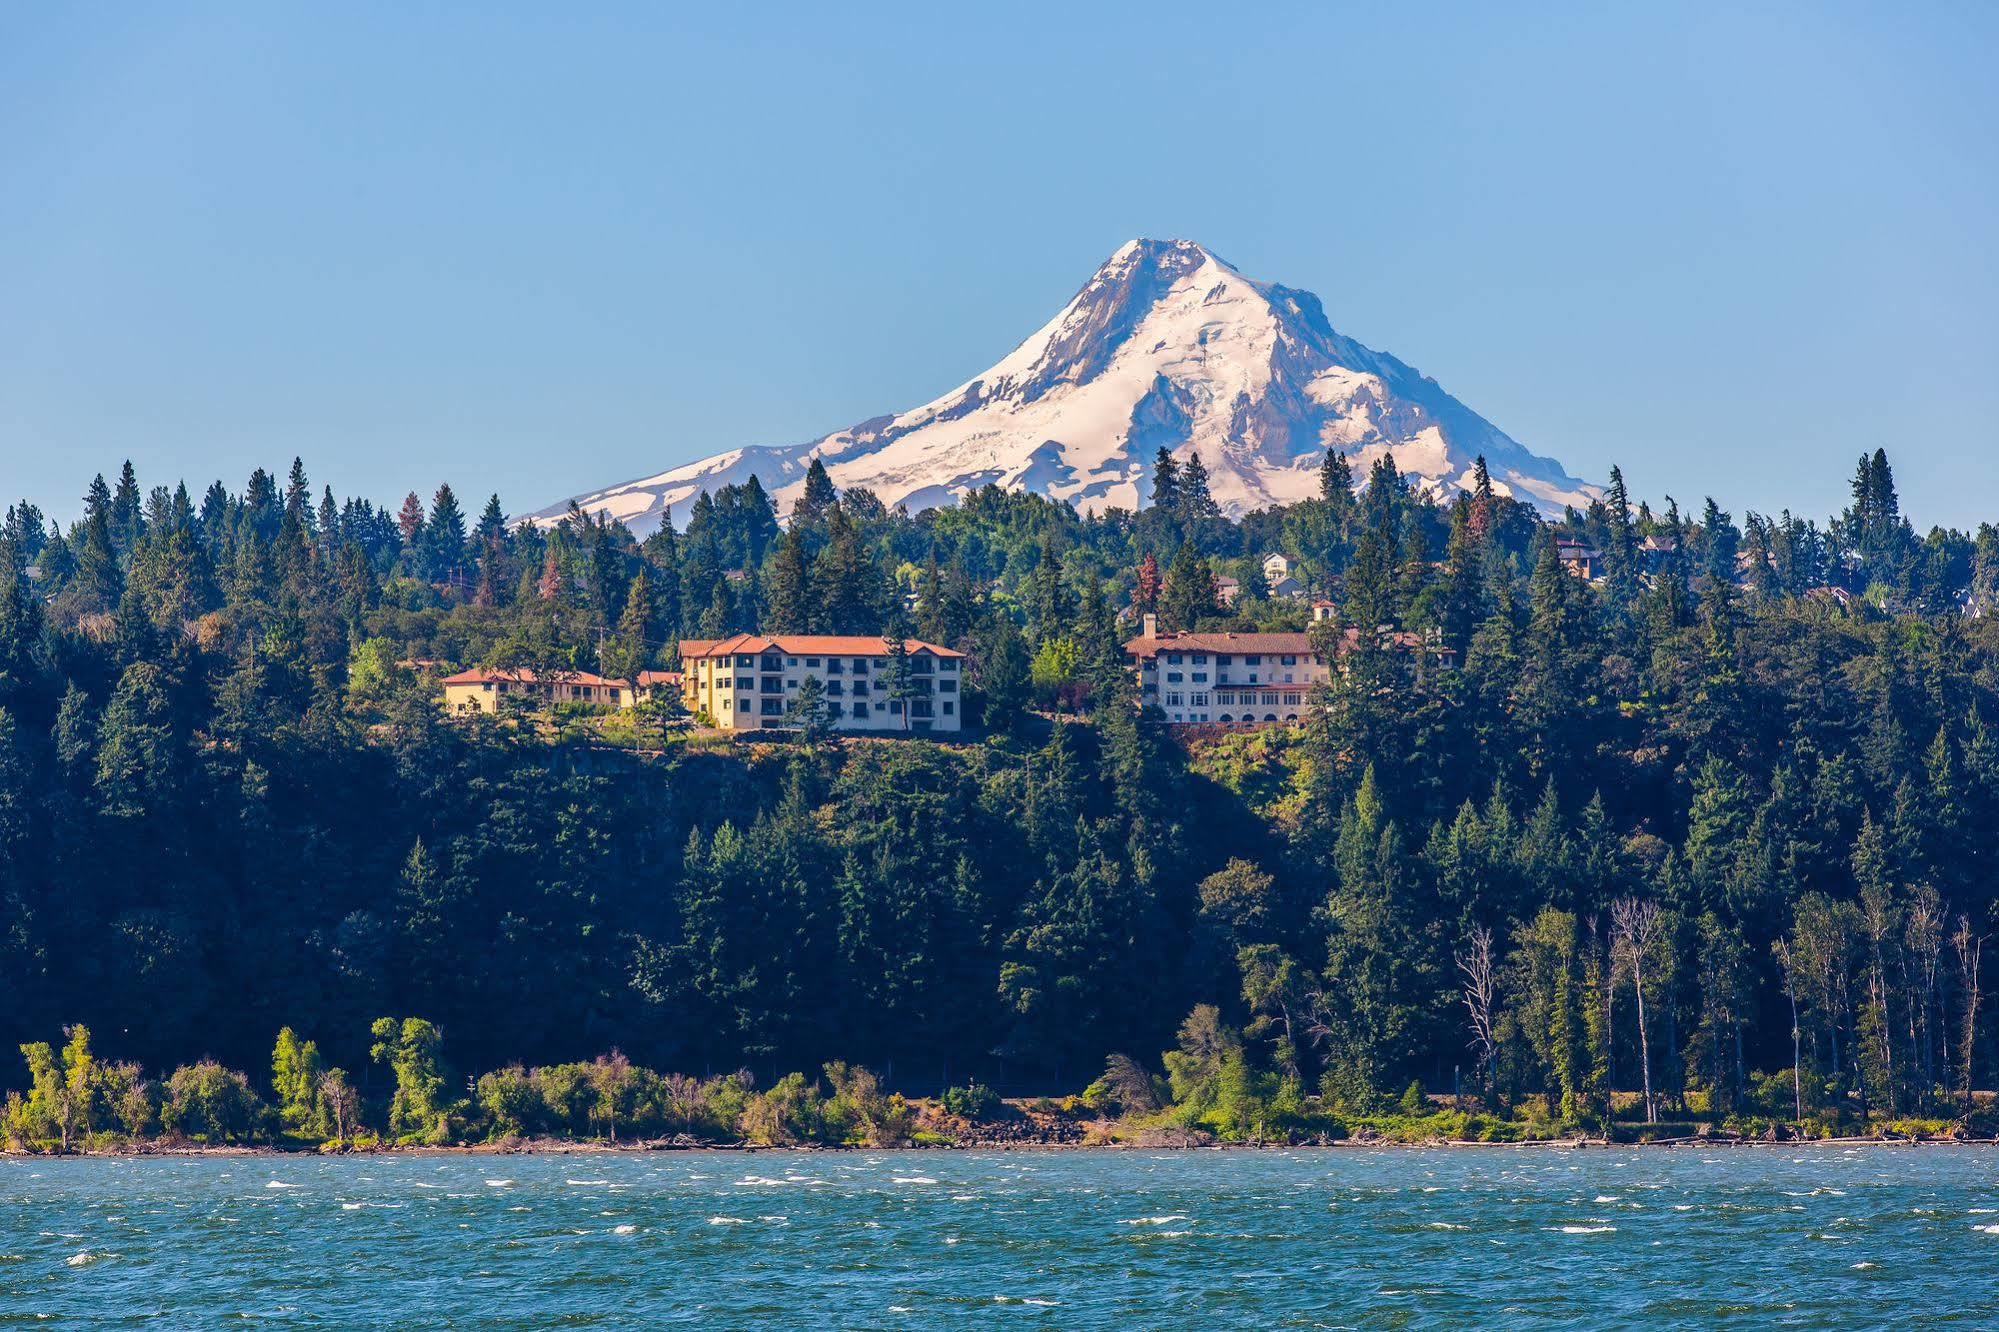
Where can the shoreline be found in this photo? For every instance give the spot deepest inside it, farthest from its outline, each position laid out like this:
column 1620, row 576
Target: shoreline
column 560, row 1147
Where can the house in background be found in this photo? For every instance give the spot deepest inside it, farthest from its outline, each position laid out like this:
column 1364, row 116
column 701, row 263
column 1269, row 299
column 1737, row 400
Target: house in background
column 648, row 686
column 1276, row 567
column 1578, row 557
column 1228, row 591
column 1655, row 550
column 484, row 690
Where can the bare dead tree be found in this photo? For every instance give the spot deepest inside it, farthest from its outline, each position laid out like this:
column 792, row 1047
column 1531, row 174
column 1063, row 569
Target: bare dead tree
column 1877, row 916
column 1635, row 926
column 1923, row 931
column 1790, row 970
column 1475, row 965
column 1969, row 949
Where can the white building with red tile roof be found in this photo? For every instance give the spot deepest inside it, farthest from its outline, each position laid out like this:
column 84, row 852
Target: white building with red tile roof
column 1248, row 679
column 749, row 682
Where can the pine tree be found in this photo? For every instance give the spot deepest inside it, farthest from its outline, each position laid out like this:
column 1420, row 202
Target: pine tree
column 1050, row 607
column 1196, row 504
column 1189, row 591
column 930, row 601
column 1166, row 484
column 816, row 499
column 1483, row 502
column 1335, row 478
column 792, row 606
column 127, row 516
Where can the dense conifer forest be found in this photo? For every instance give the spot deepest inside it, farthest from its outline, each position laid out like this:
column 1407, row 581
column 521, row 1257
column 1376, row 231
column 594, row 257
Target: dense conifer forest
column 1709, row 835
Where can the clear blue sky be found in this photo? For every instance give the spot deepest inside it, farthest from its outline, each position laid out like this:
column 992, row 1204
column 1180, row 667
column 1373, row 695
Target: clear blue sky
column 535, row 252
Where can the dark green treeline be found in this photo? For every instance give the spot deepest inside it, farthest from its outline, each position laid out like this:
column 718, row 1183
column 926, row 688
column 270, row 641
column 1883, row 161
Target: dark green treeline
column 1749, row 770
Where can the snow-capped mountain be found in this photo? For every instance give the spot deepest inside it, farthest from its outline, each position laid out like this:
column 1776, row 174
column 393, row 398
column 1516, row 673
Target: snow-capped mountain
column 1166, row 345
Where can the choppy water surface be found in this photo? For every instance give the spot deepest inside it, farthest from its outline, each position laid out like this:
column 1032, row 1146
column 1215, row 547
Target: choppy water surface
column 1340, row 1238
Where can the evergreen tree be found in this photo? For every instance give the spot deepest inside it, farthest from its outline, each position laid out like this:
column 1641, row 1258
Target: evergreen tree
column 817, row 498
column 1166, row 485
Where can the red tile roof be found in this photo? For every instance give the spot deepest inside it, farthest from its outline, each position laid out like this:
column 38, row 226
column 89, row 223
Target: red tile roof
column 1278, row 644
column 811, row 645
column 482, row 675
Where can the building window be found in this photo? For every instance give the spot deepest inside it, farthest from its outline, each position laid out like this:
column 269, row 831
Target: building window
column 746, row 705
column 950, row 664
column 1290, row 661
column 947, row 686
column 860, row 709
column 1173, row 699
column 1200, row 677
column 1199, row 701
column 949, row 707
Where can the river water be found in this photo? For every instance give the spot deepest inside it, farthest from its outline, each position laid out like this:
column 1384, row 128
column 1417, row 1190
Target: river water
column 1786, row 1236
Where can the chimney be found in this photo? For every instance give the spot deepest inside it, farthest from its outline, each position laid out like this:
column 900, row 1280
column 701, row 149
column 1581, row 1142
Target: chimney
column 1151, row 625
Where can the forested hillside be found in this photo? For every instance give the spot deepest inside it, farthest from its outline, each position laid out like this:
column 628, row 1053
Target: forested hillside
column 1742, row 784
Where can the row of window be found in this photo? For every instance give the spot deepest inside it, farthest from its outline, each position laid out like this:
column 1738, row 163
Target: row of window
column 774, row 707
column 1201, row 677
column 1225, row 659
column 773, row 684
column 922, row 664
column 1269, row 698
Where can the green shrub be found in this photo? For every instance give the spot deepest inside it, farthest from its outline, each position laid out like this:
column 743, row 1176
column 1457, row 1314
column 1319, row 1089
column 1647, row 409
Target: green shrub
column 974, row 1101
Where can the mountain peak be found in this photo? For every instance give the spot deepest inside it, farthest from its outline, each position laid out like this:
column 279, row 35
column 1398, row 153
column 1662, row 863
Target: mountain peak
column 1166, row 346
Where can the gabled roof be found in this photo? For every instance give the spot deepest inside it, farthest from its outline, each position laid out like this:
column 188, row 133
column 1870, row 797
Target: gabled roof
column 807, row 645
column 1277, row 644
column 483, row 675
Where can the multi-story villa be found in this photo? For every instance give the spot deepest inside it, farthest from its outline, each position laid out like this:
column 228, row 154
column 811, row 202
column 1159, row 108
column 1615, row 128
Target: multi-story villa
column 1246, row 679
column 748, row 682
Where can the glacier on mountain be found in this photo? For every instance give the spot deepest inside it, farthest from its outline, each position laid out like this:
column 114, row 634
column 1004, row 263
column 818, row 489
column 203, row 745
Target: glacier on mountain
column 1167, row 345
